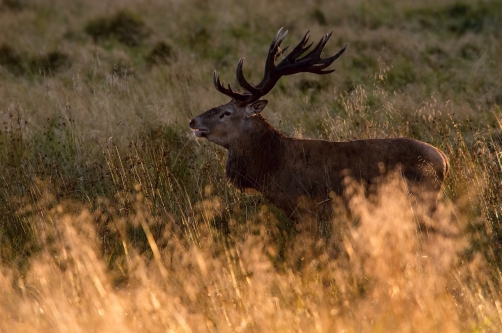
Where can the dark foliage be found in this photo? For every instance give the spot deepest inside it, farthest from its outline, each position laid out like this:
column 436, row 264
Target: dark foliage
column 161, row 53
column 124, row 26
column 21, row 64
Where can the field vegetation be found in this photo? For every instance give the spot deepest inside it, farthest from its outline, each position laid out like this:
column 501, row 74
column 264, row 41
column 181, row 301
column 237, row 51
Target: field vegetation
column 114, row 218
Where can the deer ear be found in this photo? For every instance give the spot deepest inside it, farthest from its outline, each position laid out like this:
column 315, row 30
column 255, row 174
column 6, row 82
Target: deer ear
column 256, row 107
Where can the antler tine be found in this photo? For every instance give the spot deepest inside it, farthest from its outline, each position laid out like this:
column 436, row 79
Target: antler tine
column 273, row 53
column 318, row 68
column 242, row 80
column 218, row 85
column 317, row 50
column 336, row 56
column 276, row 42
column 276, row 37
column 216, row 81
column 228, row 91
column 298, row 50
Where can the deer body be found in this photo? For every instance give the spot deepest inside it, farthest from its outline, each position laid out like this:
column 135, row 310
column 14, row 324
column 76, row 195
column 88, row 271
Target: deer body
column 298, row 175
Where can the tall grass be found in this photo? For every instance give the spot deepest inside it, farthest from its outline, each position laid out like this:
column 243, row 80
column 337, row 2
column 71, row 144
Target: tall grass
column 114, row 218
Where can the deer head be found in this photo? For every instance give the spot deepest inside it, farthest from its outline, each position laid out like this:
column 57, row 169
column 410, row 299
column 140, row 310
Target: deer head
column 225, row 124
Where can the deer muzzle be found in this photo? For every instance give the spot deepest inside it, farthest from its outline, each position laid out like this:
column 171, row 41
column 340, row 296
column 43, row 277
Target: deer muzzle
column 197, row 130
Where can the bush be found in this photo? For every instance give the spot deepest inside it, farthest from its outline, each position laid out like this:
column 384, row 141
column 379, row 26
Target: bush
column 124, row 26
column 21, row 64
column 161, row 53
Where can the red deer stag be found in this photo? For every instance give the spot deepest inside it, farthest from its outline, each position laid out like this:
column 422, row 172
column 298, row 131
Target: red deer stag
column 289, row 171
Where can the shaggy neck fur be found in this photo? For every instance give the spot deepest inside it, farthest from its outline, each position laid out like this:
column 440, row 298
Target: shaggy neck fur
column 256, row 156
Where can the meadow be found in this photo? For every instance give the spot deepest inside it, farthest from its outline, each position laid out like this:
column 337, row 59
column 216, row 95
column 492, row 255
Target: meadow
column 115, row 218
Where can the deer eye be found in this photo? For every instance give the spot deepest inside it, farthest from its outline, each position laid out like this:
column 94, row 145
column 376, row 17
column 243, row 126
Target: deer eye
column 226, row 113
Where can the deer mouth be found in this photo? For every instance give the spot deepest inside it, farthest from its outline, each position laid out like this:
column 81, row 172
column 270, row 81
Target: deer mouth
column 200, row 132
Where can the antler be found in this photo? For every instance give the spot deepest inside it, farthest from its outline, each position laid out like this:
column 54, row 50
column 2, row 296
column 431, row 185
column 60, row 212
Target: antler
column 291, row 64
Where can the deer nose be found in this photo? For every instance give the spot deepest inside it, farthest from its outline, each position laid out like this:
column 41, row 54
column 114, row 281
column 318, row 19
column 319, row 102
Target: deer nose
column 191, row 123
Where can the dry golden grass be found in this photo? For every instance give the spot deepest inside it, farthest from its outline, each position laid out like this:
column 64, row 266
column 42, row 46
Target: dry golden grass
column 386, row 276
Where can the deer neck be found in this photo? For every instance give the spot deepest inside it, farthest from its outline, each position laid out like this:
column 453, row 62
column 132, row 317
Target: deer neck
column 255, row 156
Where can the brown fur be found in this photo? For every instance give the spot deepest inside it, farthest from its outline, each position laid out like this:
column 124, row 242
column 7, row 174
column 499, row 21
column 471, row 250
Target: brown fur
column 252, row 162
column 289, row 171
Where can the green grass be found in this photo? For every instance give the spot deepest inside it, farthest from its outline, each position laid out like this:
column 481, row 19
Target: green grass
column 114, row 217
